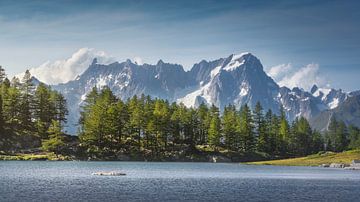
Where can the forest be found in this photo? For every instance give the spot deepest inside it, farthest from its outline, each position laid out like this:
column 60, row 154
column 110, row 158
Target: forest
column 33, row 117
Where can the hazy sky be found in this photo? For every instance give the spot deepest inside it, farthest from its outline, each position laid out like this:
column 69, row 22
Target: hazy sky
column 326, row 33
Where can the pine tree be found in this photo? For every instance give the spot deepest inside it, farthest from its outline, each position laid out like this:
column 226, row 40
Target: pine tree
column 246, row 129
column 60, row 108
column 260, row 128
column 26, row 102
column 214, row 135
column 284, row 131
column 89, row 102
column 337, row 135
column 11, row 108
column 301, row 137
column 136, row 119
column 229, row 128
column 43, row 109
column 354, row 137
column 204, row 122
column 56, row 141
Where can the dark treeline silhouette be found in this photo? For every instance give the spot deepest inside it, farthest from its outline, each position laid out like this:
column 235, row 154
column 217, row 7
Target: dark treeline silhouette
column 143, row 128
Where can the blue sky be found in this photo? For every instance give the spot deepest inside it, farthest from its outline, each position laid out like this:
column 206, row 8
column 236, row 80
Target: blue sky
column 277, row 32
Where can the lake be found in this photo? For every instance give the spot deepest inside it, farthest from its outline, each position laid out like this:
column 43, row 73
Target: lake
column 72, row 181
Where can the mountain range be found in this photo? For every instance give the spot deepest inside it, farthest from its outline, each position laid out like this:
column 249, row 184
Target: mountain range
column 237, row 79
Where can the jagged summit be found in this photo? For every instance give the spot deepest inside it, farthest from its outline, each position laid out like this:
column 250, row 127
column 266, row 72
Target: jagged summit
column 237, row 79
column 95, row 61
column 314, row 88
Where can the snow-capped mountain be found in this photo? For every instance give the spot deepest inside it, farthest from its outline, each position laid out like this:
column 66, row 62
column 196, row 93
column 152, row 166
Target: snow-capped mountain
column 330, row 97
column 347, row 111
column 236, row 79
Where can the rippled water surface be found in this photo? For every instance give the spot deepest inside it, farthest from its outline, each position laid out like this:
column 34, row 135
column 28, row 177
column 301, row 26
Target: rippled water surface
column 72, row 181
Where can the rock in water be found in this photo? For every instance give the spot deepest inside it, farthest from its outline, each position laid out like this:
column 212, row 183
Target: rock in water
column 112, row 173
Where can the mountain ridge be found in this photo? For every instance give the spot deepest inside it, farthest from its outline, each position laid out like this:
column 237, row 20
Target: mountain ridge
column 237, row 79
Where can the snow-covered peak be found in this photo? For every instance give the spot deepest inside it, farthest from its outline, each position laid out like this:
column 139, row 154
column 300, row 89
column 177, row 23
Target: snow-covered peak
column 321, row 93
column 238, row 56
column 235, row 61
column 331, row 97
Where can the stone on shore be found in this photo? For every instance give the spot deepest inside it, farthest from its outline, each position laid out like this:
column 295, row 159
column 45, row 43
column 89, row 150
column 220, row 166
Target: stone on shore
column 112, row 173
column 355, row 165
column 337, row 165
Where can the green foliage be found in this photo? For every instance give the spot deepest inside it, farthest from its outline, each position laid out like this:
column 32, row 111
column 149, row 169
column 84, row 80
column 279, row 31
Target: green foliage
column 215, row 127
column 56, row 141
column 27, row 112
column 337, row 135
column 354, row 137
column 31, row 116
column 154, row 128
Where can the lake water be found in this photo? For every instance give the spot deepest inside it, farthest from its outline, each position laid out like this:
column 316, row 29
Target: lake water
column 72, row 181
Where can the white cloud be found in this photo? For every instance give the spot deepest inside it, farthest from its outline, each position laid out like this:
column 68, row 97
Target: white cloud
column 304, row 77
column 138, row 61
column 278, row 72
column 62, row 71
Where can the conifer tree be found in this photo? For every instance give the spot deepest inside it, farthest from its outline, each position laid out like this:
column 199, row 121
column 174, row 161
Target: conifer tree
column 284, row 131
column 56, row 141
column 229, row 128
column 246, row 130
column 260, row 128
column 214, row 128
column 26, row 102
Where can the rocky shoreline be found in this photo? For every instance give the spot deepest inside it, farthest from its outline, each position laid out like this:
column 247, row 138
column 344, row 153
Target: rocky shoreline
column 355, row 165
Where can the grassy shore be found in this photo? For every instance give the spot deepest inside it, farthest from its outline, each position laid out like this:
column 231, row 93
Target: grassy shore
column 43, row 156
column 315, row 160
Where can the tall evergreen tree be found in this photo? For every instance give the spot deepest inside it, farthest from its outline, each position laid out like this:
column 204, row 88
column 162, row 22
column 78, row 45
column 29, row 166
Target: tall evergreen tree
column 214, row 128
column 260, row 128
column 56, row 141
column 284, row 131
column 229, row 129
column 26, row 102
column 246, row 129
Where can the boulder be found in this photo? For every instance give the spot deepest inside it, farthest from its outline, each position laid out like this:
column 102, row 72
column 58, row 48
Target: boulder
column 337, row 165
column 355, row 163
column 112, row 173
column 324, row 165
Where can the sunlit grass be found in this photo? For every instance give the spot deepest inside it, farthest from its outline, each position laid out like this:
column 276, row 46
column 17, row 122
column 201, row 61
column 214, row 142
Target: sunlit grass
column 32, row 157
column 315, row 160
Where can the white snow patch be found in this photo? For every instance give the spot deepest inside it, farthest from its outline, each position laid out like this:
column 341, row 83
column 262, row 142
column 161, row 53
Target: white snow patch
column 334, row 103
column 243, row 92
column 238, row 56
column 324, row 91
column 215, row 71
column 233, row 65
column 244, row 89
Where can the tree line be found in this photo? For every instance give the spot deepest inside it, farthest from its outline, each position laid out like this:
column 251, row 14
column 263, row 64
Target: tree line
column 155, row 127
column 34, row 116
column 30, row 116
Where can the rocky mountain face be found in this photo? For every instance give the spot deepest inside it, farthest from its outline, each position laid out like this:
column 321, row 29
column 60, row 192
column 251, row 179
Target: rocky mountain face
column 347, row 111
column 237, row 79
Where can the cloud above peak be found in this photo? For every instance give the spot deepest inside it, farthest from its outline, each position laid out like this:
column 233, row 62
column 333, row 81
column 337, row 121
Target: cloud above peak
column 62, row 71
column 304, row 77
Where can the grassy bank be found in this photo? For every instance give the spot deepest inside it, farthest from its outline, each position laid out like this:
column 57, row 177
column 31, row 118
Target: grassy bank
column 315, row 160
column 43, row 156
